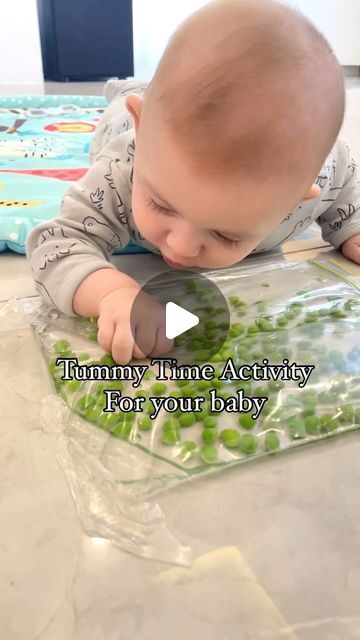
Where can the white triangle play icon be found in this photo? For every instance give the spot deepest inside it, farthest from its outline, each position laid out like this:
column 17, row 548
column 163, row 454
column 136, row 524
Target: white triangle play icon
column 178, row 320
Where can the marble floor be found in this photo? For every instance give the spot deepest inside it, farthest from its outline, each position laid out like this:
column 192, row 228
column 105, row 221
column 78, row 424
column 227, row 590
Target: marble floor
column 276, row 543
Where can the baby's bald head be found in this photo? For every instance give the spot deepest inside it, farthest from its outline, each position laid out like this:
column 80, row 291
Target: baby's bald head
column 250, row 86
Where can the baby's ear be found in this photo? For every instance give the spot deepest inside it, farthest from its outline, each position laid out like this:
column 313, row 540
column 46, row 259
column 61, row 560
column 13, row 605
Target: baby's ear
column 134, row 105
column 313, row 192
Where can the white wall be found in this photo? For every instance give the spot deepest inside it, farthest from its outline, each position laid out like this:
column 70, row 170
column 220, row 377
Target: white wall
column 154, row 22
column 339, row 20
column 20, row 53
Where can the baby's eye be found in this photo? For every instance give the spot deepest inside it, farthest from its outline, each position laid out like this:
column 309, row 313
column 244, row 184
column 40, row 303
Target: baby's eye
column 227, row 241
column 155, row 206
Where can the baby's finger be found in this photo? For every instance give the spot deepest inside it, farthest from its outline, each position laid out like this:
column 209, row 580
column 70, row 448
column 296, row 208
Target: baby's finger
column 162, row 343
column 145, row 339
column 105, row 334
column 123, row 344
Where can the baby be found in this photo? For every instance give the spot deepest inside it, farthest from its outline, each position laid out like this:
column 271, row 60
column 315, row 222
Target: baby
column 230, row 150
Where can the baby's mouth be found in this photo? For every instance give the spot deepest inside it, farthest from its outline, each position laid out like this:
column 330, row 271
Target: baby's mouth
column 177, row 265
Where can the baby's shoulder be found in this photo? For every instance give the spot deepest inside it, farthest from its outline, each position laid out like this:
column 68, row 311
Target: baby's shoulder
column 121, row 148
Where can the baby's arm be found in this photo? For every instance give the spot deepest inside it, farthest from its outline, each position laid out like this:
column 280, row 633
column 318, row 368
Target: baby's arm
column 69, row 257
column 340, row 224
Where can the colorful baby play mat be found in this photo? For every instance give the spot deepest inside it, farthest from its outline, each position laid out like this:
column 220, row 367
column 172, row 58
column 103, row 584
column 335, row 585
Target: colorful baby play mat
column 44, row 146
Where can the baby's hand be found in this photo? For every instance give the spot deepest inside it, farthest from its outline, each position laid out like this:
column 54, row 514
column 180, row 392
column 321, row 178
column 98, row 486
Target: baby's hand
column 351, row 248
column 128, row 335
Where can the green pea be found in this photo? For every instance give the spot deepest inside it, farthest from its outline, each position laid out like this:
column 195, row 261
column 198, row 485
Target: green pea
column 209, row 435
column 217, row 357
column 352, row 304
column 268, row 407
column 311, row 316
column 148, row 407
column 276, row 385
column 201, row 355
column 187, row 419
column 210, row 324
column 272, row 441
column 181, row 383
column 264, row 325
column 312, row 425
column 188, row 449
column 282, row 321
column 108, row 360
column 337, row 313
column 148, row 375
column 210, row 422
column 128, row 416
column 328, row 423
column 170, row 437
column 123, row 430
column 93, row 413
column 171, row 424
column 260, row 392
column 245, row 387
column 73, row 385
column 112, row 385
column 248, row 444
column 85, row 402
column 145, row 423
column 308, row 411
column 208, row 453
column 83, row 356
column 217, row 384
column 265, row 284
column 109, row 421
column 296, row 307
column 201, row 415
column 246, row 421
column 191, row 286
column 296, row 428
column 141, row 393
column 210, row 335
column 187, row 391
column 252, row 328
column 290, row 315
column 202, row 385
column 237, row 329
column 61, row 345
column 158, row 388
column 92, row 335
column 230, row 438
column 236, row 301
column 346, row 413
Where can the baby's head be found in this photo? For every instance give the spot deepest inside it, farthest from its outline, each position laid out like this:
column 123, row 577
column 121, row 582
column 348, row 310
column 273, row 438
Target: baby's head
column 244, row 107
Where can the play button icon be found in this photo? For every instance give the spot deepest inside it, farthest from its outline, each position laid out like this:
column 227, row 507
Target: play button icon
column 184, row 307
column 178, row 320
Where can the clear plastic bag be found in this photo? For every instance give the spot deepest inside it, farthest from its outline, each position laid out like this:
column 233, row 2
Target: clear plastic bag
column 303, row 313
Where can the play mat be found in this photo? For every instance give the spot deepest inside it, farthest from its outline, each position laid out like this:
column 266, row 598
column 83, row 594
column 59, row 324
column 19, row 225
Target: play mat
column 44, row 146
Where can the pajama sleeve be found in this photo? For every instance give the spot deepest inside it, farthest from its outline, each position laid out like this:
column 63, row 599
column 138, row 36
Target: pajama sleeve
column 341, row 220
column 93, row 221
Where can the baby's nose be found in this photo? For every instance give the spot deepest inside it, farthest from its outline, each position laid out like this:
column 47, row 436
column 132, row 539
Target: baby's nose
column 184, row 245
